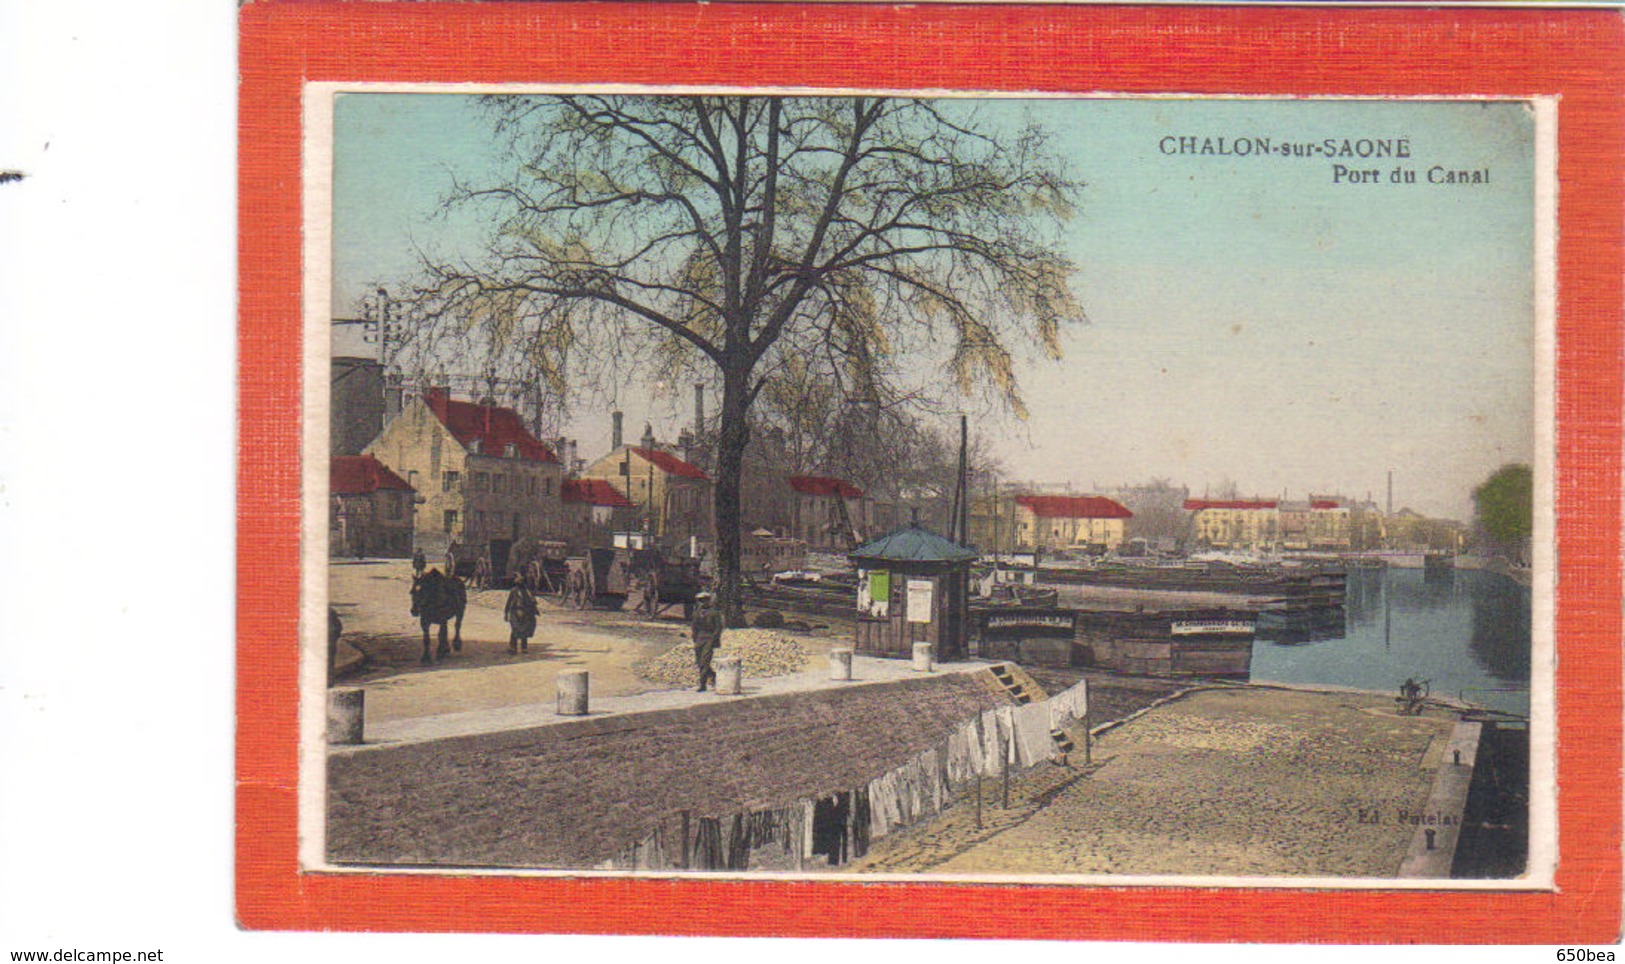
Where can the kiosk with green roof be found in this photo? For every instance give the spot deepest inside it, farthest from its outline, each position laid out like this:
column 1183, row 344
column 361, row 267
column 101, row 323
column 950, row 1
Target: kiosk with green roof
column 912, row 588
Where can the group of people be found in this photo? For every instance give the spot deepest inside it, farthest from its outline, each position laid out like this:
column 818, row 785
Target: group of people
column 520, row 612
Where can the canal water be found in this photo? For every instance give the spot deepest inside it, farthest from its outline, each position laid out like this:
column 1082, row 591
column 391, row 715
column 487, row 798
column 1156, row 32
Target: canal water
column 1467, row 631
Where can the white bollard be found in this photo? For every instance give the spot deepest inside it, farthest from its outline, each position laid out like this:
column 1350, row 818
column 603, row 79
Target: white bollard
column 346, row 715
column 922, row 657
column 572, row 693
column 840, row 664
column 729, row 670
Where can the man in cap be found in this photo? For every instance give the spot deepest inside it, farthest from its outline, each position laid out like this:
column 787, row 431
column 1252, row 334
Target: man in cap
column 706, row 626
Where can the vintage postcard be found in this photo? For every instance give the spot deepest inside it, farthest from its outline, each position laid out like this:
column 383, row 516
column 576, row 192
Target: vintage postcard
column 959, row 485
column 1251, row 392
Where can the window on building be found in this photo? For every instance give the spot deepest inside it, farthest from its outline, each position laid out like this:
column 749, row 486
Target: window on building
column 479, row 521
column 450, row 519
column 482, row 482
column 499, row 483
column 547, row 486
column 449, row 481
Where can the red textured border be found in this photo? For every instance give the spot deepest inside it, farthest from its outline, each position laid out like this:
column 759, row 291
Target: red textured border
column 1576, row 54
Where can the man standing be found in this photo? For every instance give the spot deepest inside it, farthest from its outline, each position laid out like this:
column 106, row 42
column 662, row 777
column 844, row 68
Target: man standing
column 418, row 561
column 707, row 629
column 520, row 613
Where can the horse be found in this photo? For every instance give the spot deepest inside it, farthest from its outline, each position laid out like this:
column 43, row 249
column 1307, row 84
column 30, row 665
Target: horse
column 439, row 599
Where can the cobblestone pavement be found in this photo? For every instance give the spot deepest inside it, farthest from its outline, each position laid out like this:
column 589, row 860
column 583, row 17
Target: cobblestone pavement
column 1111, row 697
column 1233, row 782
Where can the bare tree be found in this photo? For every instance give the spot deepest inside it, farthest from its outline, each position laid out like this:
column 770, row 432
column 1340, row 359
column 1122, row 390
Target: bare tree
column 734, row 234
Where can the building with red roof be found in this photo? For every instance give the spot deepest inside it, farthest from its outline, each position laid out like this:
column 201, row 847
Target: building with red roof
column 370, row 509
column 672, row 497
column 594, row 510
column 484, row 480
column 1330, row 523
column 485, row 429
column 828, row 514
column 1066, row 522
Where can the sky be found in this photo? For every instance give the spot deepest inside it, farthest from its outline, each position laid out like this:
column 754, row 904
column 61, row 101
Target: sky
column 1253, row 320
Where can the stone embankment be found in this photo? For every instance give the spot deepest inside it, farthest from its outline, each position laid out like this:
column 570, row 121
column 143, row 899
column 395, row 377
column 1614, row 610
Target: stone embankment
column 573, row 795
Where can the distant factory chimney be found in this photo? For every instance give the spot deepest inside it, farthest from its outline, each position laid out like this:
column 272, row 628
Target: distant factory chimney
column 615, row 433
column 699, row 408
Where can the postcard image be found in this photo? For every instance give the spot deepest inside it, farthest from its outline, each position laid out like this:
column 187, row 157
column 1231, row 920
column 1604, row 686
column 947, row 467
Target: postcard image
column 889, row 485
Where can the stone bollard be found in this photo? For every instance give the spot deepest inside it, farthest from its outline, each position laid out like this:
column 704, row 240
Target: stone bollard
column 1456, row 755
column 1431, row 835
column 346, row 715
column 729, row 671
column 840, row 664
column 922, row 657
column 572, row 692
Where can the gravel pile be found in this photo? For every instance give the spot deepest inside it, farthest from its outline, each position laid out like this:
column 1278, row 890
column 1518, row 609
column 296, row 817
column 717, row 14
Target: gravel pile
column 764, row 652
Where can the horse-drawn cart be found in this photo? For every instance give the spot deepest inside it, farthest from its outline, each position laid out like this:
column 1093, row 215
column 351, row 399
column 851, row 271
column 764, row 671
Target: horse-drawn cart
column 660, row 585
column 613, row 578
column 544, row 564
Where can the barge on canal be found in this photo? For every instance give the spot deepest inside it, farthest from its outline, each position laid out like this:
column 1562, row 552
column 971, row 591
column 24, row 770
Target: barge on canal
column 1197, row 642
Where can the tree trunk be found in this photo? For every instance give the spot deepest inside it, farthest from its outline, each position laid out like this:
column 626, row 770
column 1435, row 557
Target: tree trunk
column 733, row 436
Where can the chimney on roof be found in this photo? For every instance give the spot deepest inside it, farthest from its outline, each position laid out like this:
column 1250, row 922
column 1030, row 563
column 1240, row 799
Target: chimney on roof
column 570, row 465
column 648, row 436
column 699, row 408
column 615, row 433
column 685, row 445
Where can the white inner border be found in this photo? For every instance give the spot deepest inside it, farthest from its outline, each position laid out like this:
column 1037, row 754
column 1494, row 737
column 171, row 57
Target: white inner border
column 317, row 141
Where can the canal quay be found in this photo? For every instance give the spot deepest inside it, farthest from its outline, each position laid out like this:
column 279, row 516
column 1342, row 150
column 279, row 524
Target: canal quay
column 466, row 762
column 1238, row 782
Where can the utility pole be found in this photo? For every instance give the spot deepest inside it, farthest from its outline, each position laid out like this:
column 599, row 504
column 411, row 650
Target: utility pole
column 994, row 510
column 962, row 522
column 385, row 328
